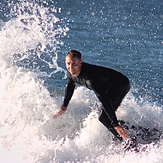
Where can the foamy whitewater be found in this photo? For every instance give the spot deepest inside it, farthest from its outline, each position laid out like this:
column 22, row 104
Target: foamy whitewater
column 31, row 36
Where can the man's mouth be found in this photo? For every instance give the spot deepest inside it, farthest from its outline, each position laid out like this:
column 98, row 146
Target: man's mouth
column 73, row 72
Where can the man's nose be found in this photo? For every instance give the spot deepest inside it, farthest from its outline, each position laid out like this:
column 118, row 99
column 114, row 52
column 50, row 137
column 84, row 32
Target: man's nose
column 71, row 67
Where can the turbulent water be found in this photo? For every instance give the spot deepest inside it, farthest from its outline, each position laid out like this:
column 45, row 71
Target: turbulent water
column 126, row 35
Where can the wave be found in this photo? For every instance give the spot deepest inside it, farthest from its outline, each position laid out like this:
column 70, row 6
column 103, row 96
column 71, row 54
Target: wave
column 30, row 134
column 28, row 46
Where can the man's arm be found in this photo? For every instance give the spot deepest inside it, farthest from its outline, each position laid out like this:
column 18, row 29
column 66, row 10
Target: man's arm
column 113, row 118
column 62, row 110
column 123, row 133
column 69, row 90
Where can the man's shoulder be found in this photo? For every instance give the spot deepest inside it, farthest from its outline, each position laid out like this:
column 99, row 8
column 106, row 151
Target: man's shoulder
column 98, row 69
column 88, row 65
column 94, row 67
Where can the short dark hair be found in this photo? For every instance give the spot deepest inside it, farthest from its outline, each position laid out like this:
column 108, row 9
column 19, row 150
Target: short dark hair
column 74, row 53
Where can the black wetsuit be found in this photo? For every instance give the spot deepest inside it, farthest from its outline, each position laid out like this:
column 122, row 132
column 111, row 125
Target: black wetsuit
column 109, row 86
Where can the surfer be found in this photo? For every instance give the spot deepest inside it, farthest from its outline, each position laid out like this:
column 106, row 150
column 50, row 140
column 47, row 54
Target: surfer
column 109, row 86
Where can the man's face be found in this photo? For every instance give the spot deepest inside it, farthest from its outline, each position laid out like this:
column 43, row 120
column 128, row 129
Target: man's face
column 73, row 65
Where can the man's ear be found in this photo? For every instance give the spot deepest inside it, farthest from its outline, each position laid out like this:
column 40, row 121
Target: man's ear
column 80, row 62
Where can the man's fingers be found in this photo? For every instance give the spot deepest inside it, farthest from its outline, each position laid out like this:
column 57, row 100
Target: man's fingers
column 123, row 133
column 58, row 114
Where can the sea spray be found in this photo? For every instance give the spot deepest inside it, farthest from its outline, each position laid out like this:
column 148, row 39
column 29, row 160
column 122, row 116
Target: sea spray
column 29, row 39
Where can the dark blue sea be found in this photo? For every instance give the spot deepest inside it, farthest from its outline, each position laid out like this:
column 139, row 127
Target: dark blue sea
column 35, row 35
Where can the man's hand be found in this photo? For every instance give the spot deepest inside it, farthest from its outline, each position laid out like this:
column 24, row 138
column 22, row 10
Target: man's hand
column 63, row 109
column 123, row 133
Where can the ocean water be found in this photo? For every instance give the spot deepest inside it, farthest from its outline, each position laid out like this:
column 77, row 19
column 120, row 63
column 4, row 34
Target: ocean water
column 126, row 35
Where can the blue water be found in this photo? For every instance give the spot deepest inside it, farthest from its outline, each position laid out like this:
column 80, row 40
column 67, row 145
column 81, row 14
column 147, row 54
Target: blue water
column 126, row 35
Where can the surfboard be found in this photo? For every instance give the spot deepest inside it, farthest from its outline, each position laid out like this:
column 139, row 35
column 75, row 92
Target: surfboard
column 140, row 136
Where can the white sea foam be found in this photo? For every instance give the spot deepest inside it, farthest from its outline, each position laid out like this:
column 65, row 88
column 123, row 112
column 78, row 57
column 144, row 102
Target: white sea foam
column 28, row 133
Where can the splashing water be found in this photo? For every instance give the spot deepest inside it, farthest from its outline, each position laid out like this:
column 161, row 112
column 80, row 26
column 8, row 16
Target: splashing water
column 29, row 40
column 32, row 33
column 29, row 34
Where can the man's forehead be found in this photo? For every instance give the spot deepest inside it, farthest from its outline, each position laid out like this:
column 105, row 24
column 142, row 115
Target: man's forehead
column 72, row 59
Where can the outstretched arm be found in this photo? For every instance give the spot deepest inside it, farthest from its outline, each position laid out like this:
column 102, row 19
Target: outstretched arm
column 69, row 90
column 62, row 110
column 68, row 94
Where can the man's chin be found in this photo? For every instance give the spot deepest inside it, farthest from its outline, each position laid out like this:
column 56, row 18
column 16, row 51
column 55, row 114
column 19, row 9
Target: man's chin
column 73, row 74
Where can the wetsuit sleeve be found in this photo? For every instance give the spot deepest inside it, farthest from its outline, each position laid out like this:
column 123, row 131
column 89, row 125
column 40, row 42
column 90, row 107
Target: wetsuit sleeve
column 108, row 108
column 111, row 114
column 113, row 118
column 69, row 90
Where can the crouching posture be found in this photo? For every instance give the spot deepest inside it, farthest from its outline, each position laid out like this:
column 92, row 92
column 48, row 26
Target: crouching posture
column 109, row 86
